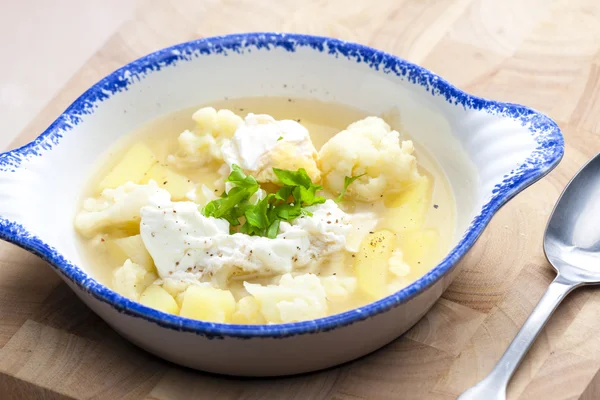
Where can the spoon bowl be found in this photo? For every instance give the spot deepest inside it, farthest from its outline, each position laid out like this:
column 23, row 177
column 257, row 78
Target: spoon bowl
column 572, row 238
column 572, row 247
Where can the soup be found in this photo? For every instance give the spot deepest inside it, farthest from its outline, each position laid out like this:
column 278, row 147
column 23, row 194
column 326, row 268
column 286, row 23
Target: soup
column 264, row 210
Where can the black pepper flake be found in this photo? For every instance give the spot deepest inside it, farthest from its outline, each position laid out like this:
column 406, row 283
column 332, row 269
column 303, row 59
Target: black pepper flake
column 435, row 206
column 353, row 255
column 284, row 85
column 165, row 182
column 335, row 273
column 418, row 262
column 371, row 233
column 297, row 247
column 289, row 100
column 177, row 263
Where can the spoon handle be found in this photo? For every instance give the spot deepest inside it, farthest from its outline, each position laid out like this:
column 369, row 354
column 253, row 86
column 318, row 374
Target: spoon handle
column 493, row 386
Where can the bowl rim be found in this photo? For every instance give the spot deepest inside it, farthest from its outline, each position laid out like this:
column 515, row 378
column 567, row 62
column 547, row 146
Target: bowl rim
column 548, row 153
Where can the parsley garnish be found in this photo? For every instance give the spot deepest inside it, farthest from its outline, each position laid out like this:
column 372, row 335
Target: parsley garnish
column 264, row 217
column 347, row 182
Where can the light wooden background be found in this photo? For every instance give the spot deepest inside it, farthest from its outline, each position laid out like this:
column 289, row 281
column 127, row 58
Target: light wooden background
column 542, row 53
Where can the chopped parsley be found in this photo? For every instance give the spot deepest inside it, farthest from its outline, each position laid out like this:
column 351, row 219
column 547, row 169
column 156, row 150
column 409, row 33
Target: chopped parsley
column 264, row 217
column 348, row 180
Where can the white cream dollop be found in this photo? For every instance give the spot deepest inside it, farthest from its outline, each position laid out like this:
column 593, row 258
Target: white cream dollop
column 262, row 143
column 186, row 244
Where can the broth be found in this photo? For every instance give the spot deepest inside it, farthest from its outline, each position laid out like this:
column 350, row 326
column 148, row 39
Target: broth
column 323, row 121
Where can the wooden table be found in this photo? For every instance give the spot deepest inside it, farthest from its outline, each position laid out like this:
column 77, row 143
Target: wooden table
column 542, row 53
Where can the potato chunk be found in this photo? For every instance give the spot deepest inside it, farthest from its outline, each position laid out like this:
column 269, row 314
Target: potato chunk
column 132, row 167
column 371, row 263
column 207, row 304
column 176, row 184
column 407, row 210
column 158, row 298
column 420, row 247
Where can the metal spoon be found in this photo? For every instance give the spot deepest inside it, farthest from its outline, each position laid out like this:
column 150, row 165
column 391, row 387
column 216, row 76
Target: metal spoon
column 572, row 246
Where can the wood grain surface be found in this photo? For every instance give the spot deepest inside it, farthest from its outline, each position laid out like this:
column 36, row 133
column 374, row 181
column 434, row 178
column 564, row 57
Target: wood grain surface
column 542, row 53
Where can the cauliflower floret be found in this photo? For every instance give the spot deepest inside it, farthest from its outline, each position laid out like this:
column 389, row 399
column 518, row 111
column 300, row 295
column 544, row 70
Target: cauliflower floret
column 203, row 146
column 370, row 147
column 262, row 143
column 131, row 279
column 247, row 312
column 397, row 265
column 400, row 271
column 295, row 299
column 338, row 288
column 116, row 207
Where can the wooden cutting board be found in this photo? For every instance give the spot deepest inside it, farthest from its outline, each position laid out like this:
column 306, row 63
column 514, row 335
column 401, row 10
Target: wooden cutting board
column 545, row 54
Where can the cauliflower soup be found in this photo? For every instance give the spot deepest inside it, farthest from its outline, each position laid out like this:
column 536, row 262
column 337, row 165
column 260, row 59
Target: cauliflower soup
column 265, row 210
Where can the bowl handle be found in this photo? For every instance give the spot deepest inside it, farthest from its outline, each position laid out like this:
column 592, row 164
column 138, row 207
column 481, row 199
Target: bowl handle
column 26, row 198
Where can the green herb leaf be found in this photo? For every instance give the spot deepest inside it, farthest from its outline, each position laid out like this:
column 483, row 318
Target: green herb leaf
column 257, row 215
column 264, row 217
column 308, row 196
column 293, row 178
column 273, row 230
column 280, row 138
column 233, row 204
column 348, row 180
column 289, row 212
column 283, row 194
column 242, row 180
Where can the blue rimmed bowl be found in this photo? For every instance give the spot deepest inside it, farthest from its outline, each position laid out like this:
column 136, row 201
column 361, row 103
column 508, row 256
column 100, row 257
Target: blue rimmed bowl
column 490, row 151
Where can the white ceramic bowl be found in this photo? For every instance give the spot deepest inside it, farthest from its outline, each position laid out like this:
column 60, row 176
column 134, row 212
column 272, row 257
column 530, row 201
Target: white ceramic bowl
column 490, row 151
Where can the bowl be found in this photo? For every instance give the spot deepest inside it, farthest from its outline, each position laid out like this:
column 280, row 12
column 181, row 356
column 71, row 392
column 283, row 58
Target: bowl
column 489, row 150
